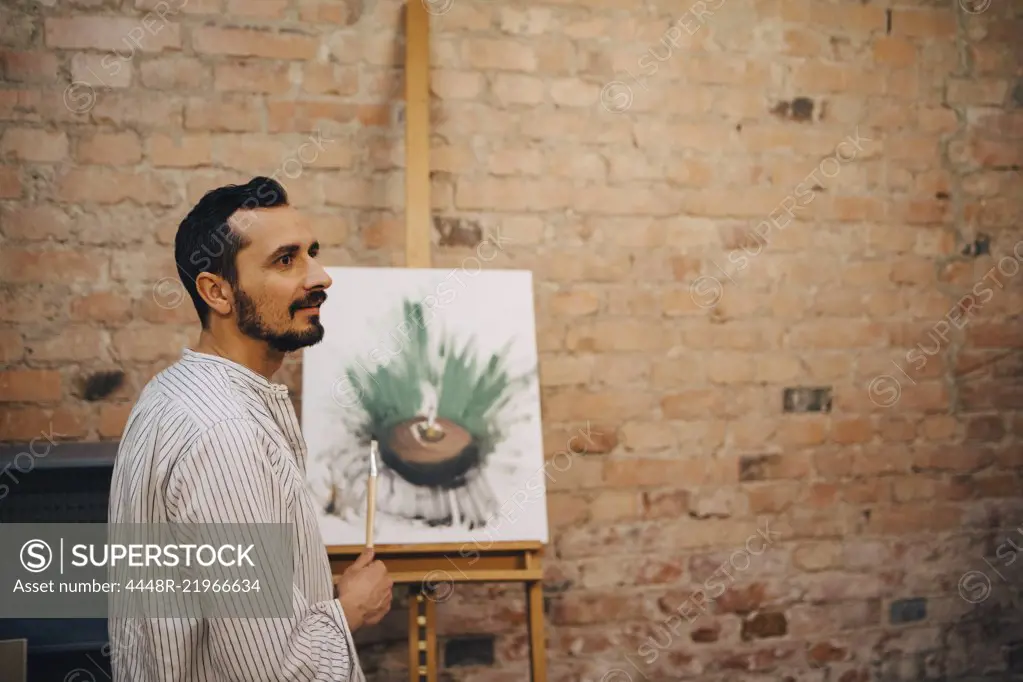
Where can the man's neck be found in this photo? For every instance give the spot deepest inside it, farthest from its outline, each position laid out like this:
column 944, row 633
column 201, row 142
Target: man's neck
column 251, row 353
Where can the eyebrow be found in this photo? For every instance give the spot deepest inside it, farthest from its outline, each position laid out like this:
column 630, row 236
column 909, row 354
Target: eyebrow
column 291, row 250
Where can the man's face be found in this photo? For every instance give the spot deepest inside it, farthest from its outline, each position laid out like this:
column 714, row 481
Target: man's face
column 280, row 285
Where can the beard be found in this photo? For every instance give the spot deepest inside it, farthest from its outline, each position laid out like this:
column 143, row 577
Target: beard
column 253, row 325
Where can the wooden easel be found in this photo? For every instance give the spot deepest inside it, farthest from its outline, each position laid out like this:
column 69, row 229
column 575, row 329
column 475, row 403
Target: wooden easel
column 420, row 566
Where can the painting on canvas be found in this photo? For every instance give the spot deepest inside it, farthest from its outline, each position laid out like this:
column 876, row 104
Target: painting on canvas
column 440, row 368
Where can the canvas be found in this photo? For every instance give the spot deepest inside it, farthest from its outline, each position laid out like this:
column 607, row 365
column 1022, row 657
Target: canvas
column 440, row 368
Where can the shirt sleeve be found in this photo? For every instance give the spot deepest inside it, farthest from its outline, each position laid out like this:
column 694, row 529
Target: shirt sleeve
column 229, row 477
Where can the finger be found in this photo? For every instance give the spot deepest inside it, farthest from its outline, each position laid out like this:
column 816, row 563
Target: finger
column 364, row 559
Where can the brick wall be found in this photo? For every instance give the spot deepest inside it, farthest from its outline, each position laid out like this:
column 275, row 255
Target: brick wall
column 776, row 245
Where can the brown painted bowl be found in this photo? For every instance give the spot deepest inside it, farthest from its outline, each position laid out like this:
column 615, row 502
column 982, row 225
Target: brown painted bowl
column 437, row 459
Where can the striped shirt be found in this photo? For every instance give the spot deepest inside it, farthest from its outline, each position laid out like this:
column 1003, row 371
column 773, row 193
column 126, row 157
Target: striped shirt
column 211, row 441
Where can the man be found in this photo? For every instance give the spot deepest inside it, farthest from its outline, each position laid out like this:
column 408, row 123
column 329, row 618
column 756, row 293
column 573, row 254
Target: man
column 213, row 440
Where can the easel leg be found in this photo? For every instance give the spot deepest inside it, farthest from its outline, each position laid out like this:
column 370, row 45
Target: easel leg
column 422, row 636
column 537, row 640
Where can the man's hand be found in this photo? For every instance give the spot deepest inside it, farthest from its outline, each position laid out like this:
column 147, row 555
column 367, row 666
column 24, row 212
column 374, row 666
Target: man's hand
column 364, row 590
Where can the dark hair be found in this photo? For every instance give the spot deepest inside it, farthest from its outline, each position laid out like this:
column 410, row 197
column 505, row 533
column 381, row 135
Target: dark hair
column 205, row 242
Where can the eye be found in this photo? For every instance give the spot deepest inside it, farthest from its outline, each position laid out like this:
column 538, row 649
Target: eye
column 285, row 259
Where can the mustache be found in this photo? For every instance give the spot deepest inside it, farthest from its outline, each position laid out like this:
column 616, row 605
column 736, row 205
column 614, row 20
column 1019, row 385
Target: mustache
column 313, row 299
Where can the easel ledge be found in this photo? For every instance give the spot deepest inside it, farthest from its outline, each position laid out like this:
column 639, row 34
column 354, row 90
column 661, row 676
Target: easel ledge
column 449, row 563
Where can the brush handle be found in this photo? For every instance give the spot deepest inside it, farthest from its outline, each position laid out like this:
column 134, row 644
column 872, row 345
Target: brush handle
column 371, row 507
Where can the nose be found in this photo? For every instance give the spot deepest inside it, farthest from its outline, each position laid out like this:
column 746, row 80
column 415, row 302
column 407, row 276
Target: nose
column 318, row 277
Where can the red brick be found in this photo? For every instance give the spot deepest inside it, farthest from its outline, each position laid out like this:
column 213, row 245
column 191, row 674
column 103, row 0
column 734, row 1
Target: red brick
column 103, row 306
column 646, row 473
column 117, row 225
column 517, row 89
column 922, row 518
column 647, row 436
column 772, row 467
column 663, row 503
column 500, row 55
column 348, row 192
column 567, row 509
column 252, row 76
column 150, row 342
column 111, row 149
column 121, row 34
column 29, row 67
column 33, row 144
column 991, row 58
column 576, row 405
column 448, row 84
column 109, row 186
column 173, row 73
column 165, row 302
column 137, row 110
column 498, row 194
column 72, row 344
column 113, row 419
column 330, row 228
column 260, row 9
column 224, row 114
column 615, row 506
column 611, row 334
column 344, row 13
column 894, row 52
column 719, row 70
column 516, row 162
column 848, row 19
column 160, row 7
column 35, row 223
column 572, row 92
column 250, row 152
column 30, row 385
column 574, row 302
column 29, row 303
column 596, row 607
column 10, row 182
column 143, row 264
column 828, row 78
column 11, row 346
column 802, row 432
column 253, row 43
column 826, row 334
column 22, row 424
column 329, row 79
column 558, row 370
column 818, row 619
column 924, row 22
column 101, row 71
column 50, row 266
column 308, row 116
column 583, row 474
column 182, row 151
column 976, row 92
column 804, row 42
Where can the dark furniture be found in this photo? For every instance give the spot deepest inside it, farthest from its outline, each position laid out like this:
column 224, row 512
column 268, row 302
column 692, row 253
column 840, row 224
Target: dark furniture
column 61, row 483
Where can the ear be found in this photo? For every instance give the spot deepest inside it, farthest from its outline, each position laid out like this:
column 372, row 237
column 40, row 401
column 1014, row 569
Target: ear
column 216, row 292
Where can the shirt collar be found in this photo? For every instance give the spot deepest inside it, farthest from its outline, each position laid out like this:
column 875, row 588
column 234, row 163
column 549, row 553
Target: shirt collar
column 236, row 371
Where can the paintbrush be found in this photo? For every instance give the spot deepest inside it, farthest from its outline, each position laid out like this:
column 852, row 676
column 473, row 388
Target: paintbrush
column 371, row 493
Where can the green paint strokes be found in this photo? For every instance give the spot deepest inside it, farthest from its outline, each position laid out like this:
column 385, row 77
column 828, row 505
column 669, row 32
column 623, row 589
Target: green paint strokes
column 472, row 389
